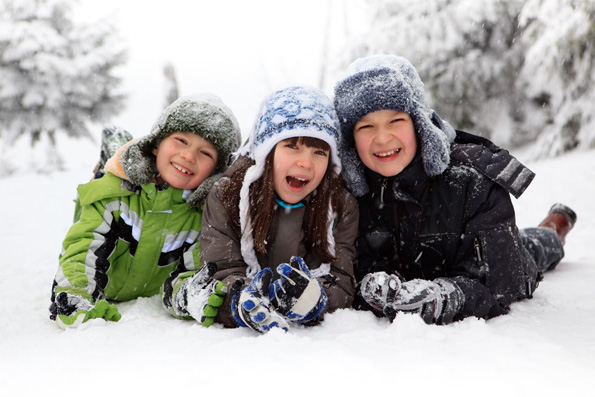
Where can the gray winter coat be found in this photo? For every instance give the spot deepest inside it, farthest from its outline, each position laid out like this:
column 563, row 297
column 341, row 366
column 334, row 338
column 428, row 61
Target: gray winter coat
column 220, row 243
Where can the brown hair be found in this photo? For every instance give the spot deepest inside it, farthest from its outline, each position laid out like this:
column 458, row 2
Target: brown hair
column 262, row 202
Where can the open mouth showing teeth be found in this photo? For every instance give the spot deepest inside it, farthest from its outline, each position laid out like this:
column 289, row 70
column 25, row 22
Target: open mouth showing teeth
column 182, row 170
column 296, row 182
column 388, row 154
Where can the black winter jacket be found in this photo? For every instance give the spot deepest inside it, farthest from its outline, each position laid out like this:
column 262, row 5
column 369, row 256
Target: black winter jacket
column 459, row 224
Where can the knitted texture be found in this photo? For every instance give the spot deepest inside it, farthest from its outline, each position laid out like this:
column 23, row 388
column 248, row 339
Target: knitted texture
column 387, row 82
column 291, row 112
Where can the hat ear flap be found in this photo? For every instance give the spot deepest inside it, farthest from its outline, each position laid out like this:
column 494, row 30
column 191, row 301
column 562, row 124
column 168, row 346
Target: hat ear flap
column 138, row 167
column 198, row 196
column 353, row 172
column 433, row 142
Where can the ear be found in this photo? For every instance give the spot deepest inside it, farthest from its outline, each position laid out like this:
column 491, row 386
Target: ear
column 154, row 151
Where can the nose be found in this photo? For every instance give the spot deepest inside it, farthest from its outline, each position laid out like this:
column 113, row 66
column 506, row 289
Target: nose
column 188, row 155
column 384, row 135
column 305, row 161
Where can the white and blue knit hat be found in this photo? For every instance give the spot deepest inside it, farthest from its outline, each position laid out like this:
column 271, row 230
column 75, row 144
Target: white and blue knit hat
column 300, row 111
column 387, row 82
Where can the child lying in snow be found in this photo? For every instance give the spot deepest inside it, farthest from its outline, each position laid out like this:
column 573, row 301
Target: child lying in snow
column 139, row 223
column 437, row 232
column 282, row 206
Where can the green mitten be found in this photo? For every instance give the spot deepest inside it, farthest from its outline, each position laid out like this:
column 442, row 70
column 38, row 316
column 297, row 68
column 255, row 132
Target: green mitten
column 69, row 311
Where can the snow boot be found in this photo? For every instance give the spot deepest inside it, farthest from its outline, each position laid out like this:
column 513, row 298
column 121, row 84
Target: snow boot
column 561, row 219
column 112, row 137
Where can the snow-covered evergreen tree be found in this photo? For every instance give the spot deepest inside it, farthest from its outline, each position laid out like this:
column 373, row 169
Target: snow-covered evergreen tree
column 511, row 70
column 559, row 72
column 464, row 52
column 57, row 76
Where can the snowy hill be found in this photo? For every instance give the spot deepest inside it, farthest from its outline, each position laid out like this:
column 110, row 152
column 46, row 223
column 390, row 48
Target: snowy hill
column 544, row 347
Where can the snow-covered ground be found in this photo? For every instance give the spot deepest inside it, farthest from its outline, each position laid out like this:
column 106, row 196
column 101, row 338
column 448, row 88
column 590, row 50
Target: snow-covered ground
column 544, row 347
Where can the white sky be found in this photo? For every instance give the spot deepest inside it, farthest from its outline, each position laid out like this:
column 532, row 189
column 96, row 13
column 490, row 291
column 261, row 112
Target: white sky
column 239, row 50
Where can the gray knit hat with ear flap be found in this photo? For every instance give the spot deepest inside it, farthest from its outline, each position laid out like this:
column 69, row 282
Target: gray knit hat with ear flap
column 387, row 82
column 202, row 114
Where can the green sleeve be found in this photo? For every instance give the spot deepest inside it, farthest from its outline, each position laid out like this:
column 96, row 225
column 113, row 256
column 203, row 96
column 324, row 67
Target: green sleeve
column 188, row 265
column 80, row 271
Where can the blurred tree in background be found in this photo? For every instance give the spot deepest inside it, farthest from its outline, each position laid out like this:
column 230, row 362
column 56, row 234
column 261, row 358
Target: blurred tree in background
column 57, row 75
column 515, row 71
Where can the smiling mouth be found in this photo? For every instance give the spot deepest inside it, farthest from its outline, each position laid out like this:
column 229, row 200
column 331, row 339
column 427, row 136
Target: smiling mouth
column 388, row 154
column 181, row 169
column 296, row 181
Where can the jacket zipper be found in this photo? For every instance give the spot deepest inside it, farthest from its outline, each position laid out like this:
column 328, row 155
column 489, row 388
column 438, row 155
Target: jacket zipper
column 384, row 182
column 477, row 246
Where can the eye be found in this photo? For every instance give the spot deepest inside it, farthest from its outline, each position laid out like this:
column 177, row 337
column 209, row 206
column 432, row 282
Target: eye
column 322, row 153
column 181, row 139
column 208, row 154
column 362, row 127
column 291, row 146
column 397, row 120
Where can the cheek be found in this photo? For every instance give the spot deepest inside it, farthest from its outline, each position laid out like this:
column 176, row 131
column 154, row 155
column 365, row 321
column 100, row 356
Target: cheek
column 361, row 145
column 323, row 165
column 412, row 142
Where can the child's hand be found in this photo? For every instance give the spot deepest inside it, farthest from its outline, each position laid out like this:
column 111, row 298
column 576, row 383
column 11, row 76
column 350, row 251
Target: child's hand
column 250, row 306
column 437, row 301
column 297, row 294
column 204, row 295
column 73, row 310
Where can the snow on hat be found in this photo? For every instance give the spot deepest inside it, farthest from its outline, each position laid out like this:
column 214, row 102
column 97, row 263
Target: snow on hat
column 387, row 82
column 202, row 114
column 300, row 111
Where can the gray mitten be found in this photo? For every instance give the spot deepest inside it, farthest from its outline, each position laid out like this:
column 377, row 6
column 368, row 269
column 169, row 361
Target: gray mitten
column 437, row 301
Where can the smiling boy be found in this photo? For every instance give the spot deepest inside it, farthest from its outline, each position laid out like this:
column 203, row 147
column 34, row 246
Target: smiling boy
column 437, row 232
column 139, row 226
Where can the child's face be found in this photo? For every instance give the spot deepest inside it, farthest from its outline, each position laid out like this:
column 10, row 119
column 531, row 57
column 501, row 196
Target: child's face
column 297, row 170
column 385, row 141
column 185, row 160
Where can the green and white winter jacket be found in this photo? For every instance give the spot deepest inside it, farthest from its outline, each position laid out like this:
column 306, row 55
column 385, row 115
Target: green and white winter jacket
column 129, row 240
column 135, row 238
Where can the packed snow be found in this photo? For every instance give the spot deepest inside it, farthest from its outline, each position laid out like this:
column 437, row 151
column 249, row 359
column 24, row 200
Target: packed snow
column 544, row 347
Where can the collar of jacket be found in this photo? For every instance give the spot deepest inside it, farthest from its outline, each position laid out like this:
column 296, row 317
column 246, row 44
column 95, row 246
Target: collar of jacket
column 112, row 186
column 409, row 185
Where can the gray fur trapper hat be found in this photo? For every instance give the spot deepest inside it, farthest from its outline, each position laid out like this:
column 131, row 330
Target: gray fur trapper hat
column 387, row 82
column 202, row 114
